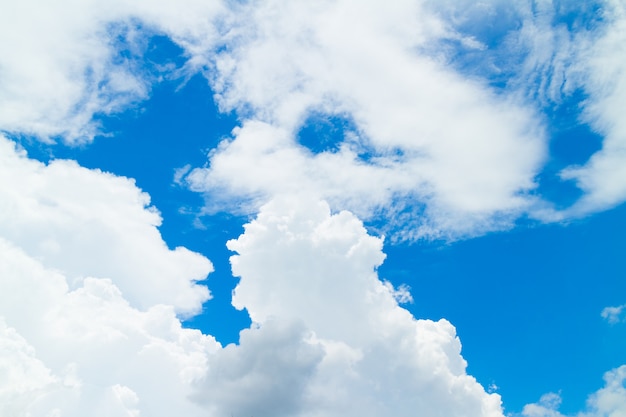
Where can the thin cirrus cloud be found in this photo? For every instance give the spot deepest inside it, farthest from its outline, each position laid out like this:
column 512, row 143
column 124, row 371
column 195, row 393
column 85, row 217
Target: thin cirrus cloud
column 91, row 296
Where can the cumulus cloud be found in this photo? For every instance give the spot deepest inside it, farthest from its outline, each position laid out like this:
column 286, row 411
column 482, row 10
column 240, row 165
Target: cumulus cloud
column 329, row 338
column 91, row 296
column 87, row 351
column 89, row 223
column 88, row 326
column 609, row 401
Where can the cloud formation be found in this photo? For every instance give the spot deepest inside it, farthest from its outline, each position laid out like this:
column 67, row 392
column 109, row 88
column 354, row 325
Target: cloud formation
column 331, row 339
column 91, row 297
column 87, row 223
column 603, row 70
column 423, row 136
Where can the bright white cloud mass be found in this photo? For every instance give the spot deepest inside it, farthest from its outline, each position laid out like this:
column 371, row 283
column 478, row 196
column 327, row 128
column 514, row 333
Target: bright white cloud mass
column 444, row 108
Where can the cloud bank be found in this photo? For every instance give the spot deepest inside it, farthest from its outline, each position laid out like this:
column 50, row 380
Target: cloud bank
column 89, row 321
column 90, row 295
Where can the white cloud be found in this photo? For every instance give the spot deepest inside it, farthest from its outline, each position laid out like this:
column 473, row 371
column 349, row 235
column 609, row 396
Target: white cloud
column 89, row 326
column 89, row 296
column 613, row 314
column 22, row 375
column 332, row 340
column 61, row 65
column 87, row 351
column 386, row 68
column 450, row 145
column 603, row 177
column 89, row 223
column 609, row 401
column 562, row 49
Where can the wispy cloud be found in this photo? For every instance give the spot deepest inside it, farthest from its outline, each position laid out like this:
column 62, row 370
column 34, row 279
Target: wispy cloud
column 613, row 314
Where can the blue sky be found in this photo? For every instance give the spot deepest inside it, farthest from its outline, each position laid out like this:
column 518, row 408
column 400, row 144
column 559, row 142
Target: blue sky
column 479, row 147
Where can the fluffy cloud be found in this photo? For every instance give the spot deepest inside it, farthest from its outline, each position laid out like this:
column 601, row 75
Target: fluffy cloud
column 89, row 297
column 88, row 351
column 88, row 322
column 427, row 139
column 88, row 223
column 329, row 337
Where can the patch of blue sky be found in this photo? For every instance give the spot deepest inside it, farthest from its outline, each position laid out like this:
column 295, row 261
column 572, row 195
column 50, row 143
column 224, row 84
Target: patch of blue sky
column 578, row 16
column 324, row 132
column 491, row 46
column 572, row 143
